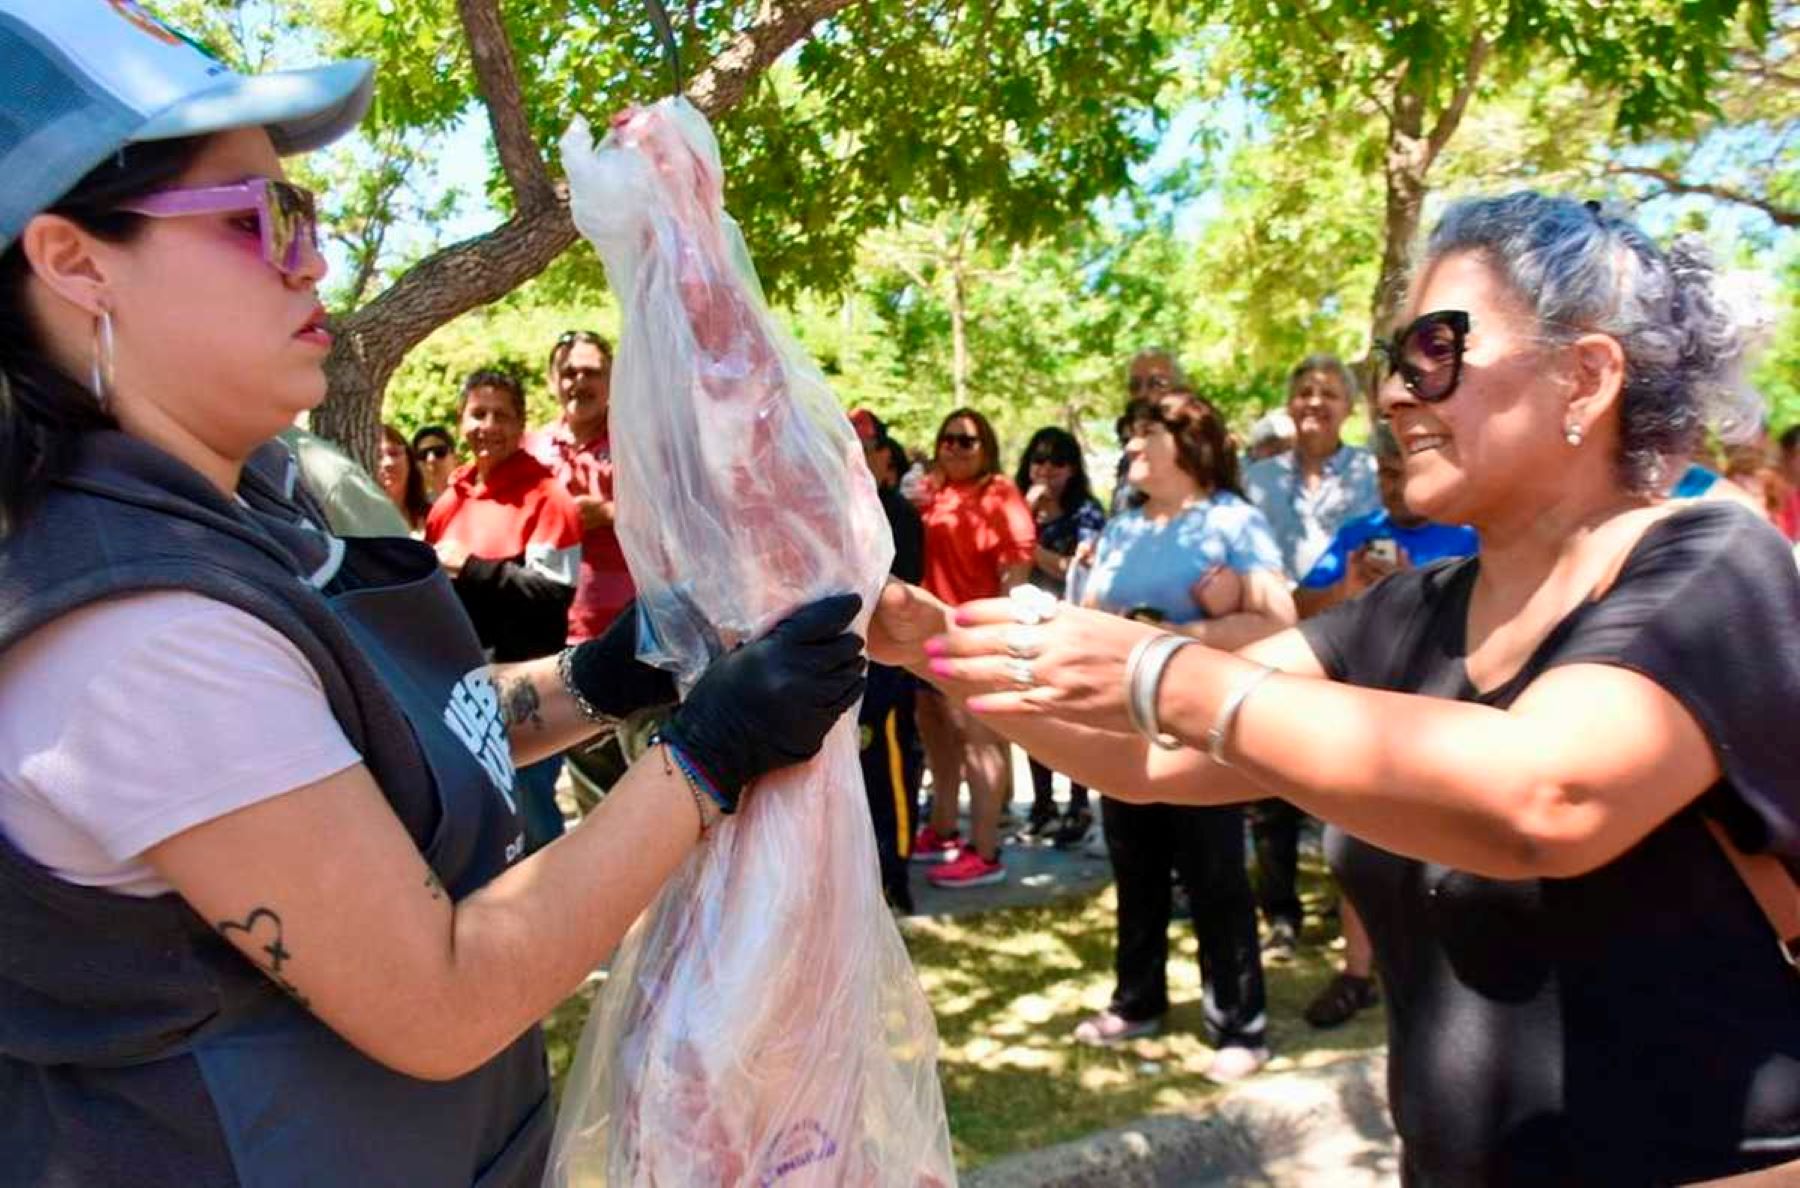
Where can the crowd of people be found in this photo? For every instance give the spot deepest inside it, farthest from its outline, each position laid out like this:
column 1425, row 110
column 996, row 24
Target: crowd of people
column 1227, row 538
column 1527, row 658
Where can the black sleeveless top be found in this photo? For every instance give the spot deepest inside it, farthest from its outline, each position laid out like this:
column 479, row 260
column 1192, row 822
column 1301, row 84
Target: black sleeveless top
column 1635, row 1024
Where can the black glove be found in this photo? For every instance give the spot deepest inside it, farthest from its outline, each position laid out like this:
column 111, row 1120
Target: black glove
column 770, row 703
column 610, row 677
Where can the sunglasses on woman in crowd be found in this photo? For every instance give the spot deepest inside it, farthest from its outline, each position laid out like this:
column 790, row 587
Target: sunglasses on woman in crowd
column 287, row 215
column 433, row 453
column 959, row 441
column 1428, row 354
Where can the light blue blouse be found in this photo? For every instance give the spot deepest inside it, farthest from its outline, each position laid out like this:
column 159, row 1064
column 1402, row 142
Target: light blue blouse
column 1140, row 563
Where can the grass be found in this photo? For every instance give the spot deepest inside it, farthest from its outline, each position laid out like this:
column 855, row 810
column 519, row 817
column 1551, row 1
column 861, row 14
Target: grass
column 1009, row 986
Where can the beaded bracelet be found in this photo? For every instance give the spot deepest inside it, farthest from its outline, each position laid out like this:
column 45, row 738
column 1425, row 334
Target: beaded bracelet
column 706, row 802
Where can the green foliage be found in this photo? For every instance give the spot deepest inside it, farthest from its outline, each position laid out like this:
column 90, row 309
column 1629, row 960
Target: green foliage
column 1778, row 375
column 1019, row 114
column 1660, row 57
column 1283, row 270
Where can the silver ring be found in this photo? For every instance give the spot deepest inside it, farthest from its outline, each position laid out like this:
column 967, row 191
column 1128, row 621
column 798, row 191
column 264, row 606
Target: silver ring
column 1020, row 671
column 1022, row 642
column 1031, row 606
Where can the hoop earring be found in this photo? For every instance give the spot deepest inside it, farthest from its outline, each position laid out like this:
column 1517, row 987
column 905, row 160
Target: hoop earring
column 1572, row 434
column 100, row 379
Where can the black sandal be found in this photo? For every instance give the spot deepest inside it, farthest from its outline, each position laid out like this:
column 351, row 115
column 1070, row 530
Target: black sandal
column 1076, row 825
column 1340, row 1000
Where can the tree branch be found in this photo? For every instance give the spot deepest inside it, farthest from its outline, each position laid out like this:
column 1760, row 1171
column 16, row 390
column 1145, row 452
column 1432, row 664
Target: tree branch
column 497, row 76
column 1781, row 216
column 1452, row 115
column 372, row 341
column 778, row 26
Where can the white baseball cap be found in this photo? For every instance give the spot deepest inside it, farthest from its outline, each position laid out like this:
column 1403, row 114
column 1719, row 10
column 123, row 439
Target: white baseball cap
column 86, row 77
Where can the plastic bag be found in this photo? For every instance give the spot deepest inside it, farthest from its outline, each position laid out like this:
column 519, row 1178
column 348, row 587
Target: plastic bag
column 762, row 1024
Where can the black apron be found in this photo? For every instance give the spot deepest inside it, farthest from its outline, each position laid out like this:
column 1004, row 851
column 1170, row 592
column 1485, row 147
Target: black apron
column 139, row 1047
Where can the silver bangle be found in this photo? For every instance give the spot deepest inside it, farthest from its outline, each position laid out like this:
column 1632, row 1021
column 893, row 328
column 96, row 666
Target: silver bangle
column 1228, row 712
column 565, row 672
column 1143, row 679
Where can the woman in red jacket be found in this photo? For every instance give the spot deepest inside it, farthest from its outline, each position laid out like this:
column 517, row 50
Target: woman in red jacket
column 980, row 540
column 510, row 538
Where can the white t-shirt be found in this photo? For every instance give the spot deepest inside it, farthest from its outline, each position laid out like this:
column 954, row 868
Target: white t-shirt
column 126, row 722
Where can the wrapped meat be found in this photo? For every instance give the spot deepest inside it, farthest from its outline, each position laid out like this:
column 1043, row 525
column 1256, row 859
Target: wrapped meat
column 762, row 1024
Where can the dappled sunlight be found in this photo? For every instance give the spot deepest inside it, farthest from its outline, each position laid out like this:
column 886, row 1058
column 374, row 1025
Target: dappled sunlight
column 1008, row 987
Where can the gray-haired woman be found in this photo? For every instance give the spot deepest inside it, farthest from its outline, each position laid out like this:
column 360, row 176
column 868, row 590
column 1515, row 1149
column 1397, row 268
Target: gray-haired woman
column 1537, row 754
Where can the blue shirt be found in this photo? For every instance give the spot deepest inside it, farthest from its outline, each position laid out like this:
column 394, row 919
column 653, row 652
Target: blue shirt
column 1064, row 535
column 1696, row 480
column 1141, row 563
column 1424, row 544
column 1304, row 520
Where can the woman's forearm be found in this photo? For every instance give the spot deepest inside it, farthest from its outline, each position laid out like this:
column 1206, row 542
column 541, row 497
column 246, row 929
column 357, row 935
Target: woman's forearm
column 524, row 942
column 1236, row 631
column 1507, row 794
column 542, row 718
column 1052, row 563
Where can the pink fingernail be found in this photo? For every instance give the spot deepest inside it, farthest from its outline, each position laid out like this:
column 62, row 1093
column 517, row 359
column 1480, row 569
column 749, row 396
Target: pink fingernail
column 975, row 705
column 940, row 667
column 936, row 646
column 962, row 619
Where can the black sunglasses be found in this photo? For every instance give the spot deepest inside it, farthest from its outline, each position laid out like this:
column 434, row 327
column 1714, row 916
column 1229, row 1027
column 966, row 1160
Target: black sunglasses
column 962, row 441
column 434, row 452
column 1148, row 383
column 1428, row 354
column 1049, row 460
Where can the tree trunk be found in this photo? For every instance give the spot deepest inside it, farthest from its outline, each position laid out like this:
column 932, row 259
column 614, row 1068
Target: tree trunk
column 372, row 342
column 1405, row 167
column 1406, row 170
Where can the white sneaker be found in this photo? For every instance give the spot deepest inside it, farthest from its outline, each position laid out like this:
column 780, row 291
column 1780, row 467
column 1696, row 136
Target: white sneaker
column 1234, row 1064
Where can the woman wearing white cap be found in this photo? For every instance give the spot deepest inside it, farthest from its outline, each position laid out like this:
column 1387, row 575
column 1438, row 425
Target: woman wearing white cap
column 263, row 919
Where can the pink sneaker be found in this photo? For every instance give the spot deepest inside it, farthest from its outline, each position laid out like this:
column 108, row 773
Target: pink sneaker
column 934, row 847
column 969, row 870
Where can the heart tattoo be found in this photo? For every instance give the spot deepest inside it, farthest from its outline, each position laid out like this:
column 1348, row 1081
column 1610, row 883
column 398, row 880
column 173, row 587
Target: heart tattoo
column 263, row 930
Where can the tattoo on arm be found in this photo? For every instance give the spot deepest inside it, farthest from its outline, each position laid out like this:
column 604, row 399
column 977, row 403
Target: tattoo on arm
column 267, row 946
column 519, row 703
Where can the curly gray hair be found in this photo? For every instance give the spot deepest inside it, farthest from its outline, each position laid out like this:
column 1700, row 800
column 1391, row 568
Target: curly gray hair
column 1582, row 270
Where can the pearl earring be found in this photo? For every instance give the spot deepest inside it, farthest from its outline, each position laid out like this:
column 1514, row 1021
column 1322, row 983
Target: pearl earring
column 1572, row 434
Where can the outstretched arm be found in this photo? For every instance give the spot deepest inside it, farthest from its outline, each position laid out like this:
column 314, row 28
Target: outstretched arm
column 1514, row 793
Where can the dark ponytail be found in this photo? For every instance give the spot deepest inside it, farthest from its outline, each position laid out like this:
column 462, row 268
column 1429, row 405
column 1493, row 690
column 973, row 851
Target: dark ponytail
column 44, row 410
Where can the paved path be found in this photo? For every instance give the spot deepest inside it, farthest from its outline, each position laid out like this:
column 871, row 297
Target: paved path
column 1034, row 874
column 1320, row 1127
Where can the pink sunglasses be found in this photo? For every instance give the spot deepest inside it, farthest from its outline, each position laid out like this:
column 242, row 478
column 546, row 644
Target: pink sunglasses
column 286, row 215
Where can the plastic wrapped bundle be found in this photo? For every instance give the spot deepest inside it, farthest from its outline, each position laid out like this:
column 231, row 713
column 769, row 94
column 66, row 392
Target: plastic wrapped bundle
column 762, row 1024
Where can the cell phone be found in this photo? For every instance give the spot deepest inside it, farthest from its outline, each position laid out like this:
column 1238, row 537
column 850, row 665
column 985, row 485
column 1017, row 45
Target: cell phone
column 1385, row 550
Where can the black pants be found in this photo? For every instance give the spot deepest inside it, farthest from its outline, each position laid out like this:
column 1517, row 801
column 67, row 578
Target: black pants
column 1275, row 830
column 892, row 764
column 1149, row 841
column 1043, row 795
